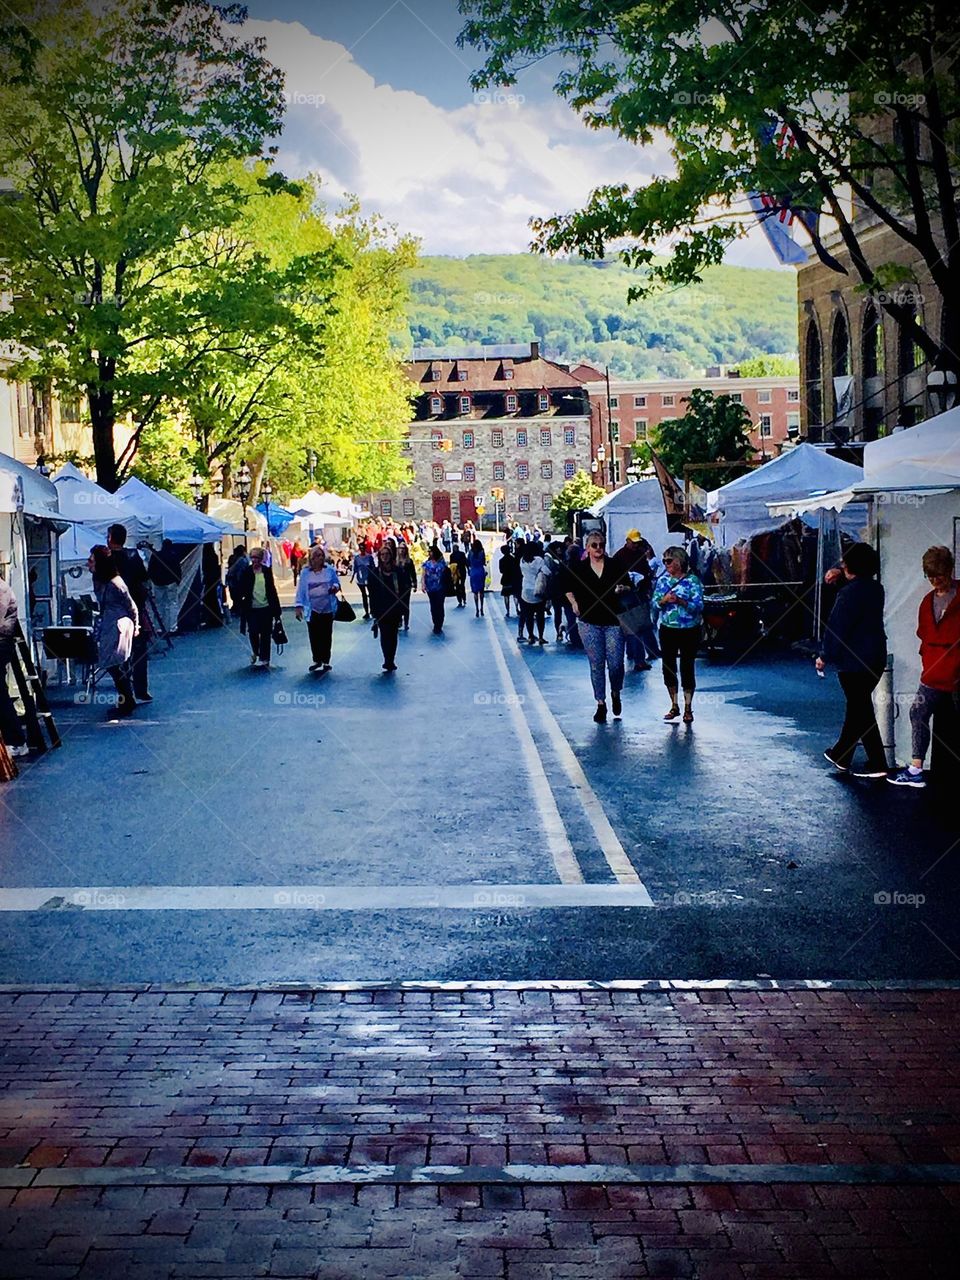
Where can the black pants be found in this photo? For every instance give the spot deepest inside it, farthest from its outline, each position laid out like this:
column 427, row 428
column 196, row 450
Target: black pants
column 860, row 721
column 405, row 609
column 389, row 629
column 121, row 680
column 461, row 588
column 530, row 614
column 437, row 608
column 259, row 628
column 679, row 643
column 10, row 729
column 320, row 631
column 138, row 663
column 365, row 598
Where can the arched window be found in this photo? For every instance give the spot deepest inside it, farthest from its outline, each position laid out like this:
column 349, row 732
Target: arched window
column 909, row 354
column 813, row 368
column 839, row 365
column 872, row 343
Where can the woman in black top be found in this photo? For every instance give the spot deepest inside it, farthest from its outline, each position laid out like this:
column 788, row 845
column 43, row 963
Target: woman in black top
column 855, row 643
column 595, row 587
column 388, row 589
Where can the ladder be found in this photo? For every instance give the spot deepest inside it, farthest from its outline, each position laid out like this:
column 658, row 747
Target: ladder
column 37, row 715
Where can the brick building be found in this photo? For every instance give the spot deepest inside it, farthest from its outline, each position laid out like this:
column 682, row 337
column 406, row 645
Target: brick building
column 637, row 406
column 494, row 418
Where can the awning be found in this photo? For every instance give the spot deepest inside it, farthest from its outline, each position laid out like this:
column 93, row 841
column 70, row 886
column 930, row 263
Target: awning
column 840, row 498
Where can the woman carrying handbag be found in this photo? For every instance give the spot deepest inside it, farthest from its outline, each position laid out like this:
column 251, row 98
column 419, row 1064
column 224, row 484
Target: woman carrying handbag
column 317, row 600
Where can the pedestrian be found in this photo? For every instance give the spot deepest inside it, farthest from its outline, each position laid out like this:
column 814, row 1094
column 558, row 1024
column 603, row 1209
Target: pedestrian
column 678, row 595
column 129, row 565
column 117, row 625
column 532, row 607
column 408, row 580
column 316, row 600
column 387, row 591
column 164, row 571
column 362, row 564
column 477, row 570
column 509, row 577
column 259, row 606
column 458, row 568
column 855, row 644
column 938, row 626
column 595, row 587
column 11, row 730
column 237, row 562
column 554, row 575
column 436, row 577
column 632, row 556
column 298, row 556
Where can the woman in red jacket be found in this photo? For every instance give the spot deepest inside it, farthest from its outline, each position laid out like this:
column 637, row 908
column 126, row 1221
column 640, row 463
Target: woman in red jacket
column 939, row 630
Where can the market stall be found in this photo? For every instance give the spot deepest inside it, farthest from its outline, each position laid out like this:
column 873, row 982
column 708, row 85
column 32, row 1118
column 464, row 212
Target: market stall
column 30, row 525
column 638, row 505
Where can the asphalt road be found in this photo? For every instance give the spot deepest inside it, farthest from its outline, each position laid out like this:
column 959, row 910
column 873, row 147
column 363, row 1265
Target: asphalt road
column 464, row 818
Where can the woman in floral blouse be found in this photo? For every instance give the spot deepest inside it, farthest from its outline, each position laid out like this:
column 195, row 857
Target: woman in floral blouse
column 679, row 597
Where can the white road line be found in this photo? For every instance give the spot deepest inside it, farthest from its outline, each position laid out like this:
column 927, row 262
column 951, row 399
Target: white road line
column 558, row 842
column 321, row 897
column 610, row 845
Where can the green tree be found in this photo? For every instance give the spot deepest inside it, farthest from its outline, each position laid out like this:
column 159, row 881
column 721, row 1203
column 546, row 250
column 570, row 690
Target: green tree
column 770, row 367
column 870, row 96
column 577, row 494
column 713, row 429
column 116, row 122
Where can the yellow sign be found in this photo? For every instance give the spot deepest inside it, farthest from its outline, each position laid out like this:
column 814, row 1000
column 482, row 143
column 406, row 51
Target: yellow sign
column 481, row 510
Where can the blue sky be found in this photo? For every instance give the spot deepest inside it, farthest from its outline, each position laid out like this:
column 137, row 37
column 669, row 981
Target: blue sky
column 380, row 106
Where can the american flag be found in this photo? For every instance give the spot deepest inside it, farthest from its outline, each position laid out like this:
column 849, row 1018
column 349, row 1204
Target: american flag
column 784, row 138
column 784, row 212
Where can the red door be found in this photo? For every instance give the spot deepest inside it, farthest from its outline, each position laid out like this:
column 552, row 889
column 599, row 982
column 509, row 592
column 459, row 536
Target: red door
column 468, row 507
column 441, row 506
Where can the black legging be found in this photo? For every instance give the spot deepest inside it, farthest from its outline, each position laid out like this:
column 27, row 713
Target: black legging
column 529, row 614
column 437, row 608
column 682, row 643
column 320, row 630
column 860, row 721
column 259, row 629
column 388, row 630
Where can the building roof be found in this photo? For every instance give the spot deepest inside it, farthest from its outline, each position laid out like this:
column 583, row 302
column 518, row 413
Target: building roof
column 530, row 373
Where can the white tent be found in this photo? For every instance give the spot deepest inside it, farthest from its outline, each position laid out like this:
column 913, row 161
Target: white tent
column 743, row 505
column 30, row 520
column 912, row 480
column 635, row 506
column 95, row 510
column 179, row 523
column 324, row 504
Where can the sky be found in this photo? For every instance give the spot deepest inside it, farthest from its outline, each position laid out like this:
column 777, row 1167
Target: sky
column 379, row 105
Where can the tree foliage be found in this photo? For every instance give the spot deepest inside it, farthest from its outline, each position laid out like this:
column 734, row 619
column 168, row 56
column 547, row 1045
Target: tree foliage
column 870, row 95
column 577, row 494
column 713, row 429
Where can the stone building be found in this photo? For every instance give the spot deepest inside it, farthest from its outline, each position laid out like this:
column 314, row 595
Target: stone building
column 493, row 418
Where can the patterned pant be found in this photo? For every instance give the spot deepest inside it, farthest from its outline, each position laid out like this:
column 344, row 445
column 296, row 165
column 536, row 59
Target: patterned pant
column 922, row 709
column 605, row 648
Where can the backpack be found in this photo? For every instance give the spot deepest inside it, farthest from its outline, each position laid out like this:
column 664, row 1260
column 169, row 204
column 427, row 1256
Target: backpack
column 543, row 584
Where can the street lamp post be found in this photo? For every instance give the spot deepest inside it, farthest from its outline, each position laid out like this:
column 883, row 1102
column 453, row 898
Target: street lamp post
column 266, row 489
column 312, row 464
column 241, row 489
column 196, row 488
column 942, row 388
column 601, row 459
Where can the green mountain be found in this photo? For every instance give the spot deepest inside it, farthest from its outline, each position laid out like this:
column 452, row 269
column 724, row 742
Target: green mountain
column 578, row 310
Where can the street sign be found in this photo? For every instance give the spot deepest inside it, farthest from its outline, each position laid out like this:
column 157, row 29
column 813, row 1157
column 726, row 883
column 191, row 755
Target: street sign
column 481, row 509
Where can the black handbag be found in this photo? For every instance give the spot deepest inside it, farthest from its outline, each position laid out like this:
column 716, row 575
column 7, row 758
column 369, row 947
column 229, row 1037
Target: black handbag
column 345, row 611
column 279, row 635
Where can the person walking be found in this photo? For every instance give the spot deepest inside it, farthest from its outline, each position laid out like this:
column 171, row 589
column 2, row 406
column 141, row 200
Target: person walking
column 595, row 586
column 408, row 580
column 298, row 556
column 133, row 571
column 532, row 607
column 389, row 590
column 632, row 556
column 116, row 626
column 458, row 567
column 436, row 576
column 362, row 564
column 938, row 627
column 316, row 600
column 678, row 595
column 855, row 644
column 510, row 582
column 10, row 728
column 259, row 606
column 164, row 571
column 477, row 570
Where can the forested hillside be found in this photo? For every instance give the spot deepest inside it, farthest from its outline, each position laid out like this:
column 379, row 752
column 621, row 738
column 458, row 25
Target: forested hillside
column 579, row 311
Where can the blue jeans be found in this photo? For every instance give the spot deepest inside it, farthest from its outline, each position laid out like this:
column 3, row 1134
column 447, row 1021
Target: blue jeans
column 605, row 650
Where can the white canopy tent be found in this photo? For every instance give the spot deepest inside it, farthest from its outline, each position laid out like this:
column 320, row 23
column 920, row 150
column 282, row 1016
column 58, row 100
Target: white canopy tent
column 638, row 505
column 743, row 507
column 30, row 521
column 178, row 522
column 95, row 510
column 912, row 481
column 326, row 514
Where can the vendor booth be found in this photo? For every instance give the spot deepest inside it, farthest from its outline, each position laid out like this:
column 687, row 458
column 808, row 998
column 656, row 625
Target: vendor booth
column 30, row 524
column 325, row 515
column 635, row 506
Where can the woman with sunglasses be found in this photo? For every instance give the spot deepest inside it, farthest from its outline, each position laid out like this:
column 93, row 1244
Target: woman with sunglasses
column 595, row 587
column 679, row 597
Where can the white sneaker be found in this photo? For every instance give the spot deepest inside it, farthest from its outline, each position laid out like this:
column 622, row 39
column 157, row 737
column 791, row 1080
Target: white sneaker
column 19, row 751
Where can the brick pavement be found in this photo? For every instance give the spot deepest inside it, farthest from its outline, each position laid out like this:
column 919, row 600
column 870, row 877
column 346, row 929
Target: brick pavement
column 669, row 1085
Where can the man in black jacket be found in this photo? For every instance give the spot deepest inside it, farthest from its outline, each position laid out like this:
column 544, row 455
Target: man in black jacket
column 132, row 570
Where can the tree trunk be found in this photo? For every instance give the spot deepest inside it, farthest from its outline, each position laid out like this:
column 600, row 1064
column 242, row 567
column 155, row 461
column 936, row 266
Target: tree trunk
column 103, row 420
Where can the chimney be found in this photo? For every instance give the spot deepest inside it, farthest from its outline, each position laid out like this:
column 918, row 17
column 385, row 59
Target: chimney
column 534, row 350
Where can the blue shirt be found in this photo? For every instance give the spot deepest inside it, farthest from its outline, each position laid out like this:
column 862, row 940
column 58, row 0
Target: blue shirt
column 688, row 611
column 315, row 591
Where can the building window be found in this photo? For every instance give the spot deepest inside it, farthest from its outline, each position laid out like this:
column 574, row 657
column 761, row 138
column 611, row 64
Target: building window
column 763, row 397
column 508, row 374
column 813, row 369
column 543, row 402
column 736, row 397
column 499, row 471
column 461, row 375
column 569, row 435
column 409, row 507
column 468, row 439
column 25, row 408
column 523, row 470
column 639, row 402
column 546, row 438
column 386, row 507
column 470, row 471
column 766, row 424
column 668, row 401
column 438, row 473
column 793, row 395
column 512, row 402
column 496, row 439
column 640, row 428
column 872, row 343
column 793, row 421
column 614, row 432
column 569, row 469
column 434, row 375
column 523, row 502
column 436, row 439
column 840, row 363
column 522, row 438
column 546, row 470
column 614, row 402
column 464, row 404
column 547, row 501
column 436, row 404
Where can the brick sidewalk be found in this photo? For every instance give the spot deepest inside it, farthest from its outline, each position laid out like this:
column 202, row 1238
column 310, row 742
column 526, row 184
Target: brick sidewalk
column 662, row 1131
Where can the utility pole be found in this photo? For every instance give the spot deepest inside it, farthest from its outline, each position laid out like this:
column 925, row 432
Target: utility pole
column 613, row 453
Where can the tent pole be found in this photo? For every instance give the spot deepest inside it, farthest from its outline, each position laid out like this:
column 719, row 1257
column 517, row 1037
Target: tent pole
column 818, row 590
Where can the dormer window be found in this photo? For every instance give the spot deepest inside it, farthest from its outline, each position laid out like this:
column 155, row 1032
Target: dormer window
column 508, row 374
column 506, row 369
column 512, row 402
column 434, row 373
column 436, row 404
column 465, row 404
column 462, row 374
column 543, row 402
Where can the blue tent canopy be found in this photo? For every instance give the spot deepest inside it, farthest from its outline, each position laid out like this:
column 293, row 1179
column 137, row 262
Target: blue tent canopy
column 277, row 517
